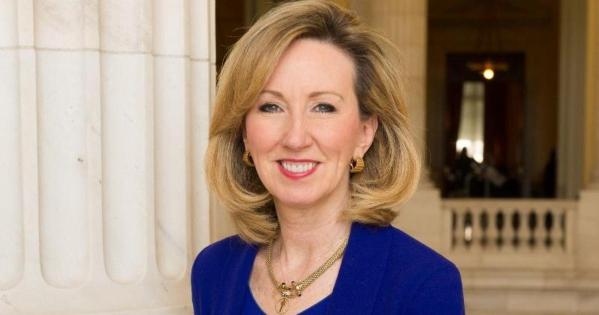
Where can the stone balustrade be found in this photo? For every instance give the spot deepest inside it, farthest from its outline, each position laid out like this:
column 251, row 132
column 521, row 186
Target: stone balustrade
column 522, row 256
column 511, row 233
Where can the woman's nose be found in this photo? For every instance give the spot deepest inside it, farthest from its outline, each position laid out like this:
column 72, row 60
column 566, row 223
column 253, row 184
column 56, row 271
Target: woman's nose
column 297, row 135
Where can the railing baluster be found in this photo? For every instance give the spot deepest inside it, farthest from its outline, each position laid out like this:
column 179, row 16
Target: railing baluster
column 563, row 230
column 454, row 228
column 508, row 230
column 461, row 243
column 549, row 228
column 500, row 226
column 476, row 229
column 492, row 228
column 525, row 235
column 468, row 228
column 516, row 227
column 484, row 228
column 532, row 228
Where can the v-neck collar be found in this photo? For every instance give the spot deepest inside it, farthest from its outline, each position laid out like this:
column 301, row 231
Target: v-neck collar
column 357, row 283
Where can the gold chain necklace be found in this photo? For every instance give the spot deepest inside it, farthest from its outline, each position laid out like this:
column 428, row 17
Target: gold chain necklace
column 295, row 289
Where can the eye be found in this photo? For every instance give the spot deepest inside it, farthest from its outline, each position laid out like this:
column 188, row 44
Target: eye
column 269, row 108
column 324, row 108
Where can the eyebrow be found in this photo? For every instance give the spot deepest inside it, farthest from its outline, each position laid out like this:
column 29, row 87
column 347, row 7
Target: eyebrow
column 313, row 94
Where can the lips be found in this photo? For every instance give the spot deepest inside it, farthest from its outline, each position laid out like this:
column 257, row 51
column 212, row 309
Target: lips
column 297, row 169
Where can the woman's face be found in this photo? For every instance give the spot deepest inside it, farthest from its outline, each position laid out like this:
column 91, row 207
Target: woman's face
column 305, row 127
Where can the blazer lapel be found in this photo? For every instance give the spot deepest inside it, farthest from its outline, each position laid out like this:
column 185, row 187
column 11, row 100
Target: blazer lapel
column 362, row 270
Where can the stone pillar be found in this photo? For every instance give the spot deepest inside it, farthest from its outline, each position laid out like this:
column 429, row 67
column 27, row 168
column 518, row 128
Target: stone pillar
column 572, row 69
column 63, row 156
column 592, row 114
column 104, row 110
column 202, row 83
column 11, row 215
column 404, row 23
column 587, row 234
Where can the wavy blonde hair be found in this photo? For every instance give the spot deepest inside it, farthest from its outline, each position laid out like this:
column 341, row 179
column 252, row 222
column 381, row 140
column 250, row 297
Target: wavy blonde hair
column 392, row 163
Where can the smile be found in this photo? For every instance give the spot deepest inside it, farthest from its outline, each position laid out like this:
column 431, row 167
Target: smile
column 297, row 169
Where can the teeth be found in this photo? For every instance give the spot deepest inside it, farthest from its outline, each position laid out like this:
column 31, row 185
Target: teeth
column 298, row 167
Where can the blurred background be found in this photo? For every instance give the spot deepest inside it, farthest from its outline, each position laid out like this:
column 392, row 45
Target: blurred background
column 104, row 111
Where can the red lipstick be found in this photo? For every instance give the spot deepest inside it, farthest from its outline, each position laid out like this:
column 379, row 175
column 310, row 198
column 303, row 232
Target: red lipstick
column 297, row 174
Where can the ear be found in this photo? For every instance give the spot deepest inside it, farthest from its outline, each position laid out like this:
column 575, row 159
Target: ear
column 368, row 129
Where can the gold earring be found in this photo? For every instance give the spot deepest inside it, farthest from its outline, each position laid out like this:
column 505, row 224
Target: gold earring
column 247, row 158
column 356, row 165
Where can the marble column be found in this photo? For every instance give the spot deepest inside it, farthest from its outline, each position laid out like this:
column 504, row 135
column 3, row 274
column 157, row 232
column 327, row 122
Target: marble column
column 104, row 110
column 572, row 69
column 592, row 86
column 404, row 23
column 587, row 234
column 11, row 215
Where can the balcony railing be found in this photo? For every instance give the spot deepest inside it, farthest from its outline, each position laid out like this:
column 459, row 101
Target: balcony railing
column 503, row 233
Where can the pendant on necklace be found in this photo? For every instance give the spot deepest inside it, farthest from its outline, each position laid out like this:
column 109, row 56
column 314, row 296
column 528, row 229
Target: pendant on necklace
column 287, row 292
column 282, row 305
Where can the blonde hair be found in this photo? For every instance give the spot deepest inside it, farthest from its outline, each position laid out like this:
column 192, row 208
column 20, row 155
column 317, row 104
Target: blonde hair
column 392, row 163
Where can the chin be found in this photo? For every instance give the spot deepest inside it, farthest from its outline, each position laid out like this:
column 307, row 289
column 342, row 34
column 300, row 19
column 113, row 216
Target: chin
column 296, row 200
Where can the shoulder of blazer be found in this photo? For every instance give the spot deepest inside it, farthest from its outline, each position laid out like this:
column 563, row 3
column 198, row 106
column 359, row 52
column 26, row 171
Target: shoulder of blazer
column 213, row 257
column 420, row 277
column 412, row 252
column 210, row 266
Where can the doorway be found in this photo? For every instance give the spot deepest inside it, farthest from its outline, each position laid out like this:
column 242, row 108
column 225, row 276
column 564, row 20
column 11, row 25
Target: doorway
column 485, row 115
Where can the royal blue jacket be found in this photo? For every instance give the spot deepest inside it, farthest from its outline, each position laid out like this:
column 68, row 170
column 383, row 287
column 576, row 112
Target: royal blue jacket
column 383, row 271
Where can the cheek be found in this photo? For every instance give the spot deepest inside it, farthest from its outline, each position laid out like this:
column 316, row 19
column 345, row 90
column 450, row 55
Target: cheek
column 340, row 136
column 261, row 134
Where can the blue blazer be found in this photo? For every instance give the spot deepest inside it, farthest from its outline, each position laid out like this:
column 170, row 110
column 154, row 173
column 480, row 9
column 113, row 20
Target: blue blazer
column 383, row 271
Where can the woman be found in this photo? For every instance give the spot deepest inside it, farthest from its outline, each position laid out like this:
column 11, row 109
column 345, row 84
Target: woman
column 310, row 149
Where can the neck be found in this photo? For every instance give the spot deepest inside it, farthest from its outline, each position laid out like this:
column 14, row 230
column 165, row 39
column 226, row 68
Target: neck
column 308, row 236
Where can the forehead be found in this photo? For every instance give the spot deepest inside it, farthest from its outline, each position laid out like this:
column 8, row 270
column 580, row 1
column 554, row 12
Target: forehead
column 312, row 63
